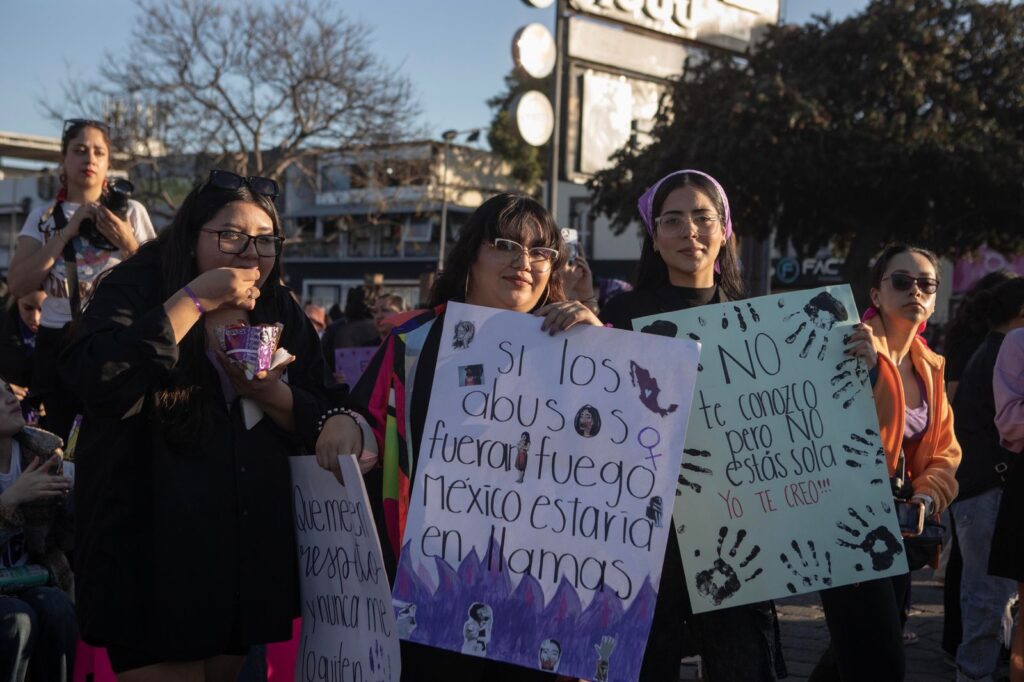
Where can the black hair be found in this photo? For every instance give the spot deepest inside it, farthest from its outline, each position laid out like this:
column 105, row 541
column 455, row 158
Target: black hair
column 505, row 216
column 967, row 328
column 595, row 418
column 652, row 272
column 1001, row 303
column 475, row 609
column 359, row 303
column 182, row 401
column 893, row 250
column 74, row 129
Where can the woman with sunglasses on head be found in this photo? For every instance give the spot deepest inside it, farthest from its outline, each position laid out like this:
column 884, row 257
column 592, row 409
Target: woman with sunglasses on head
column 185, row 550
column 915, row 421
column 75, row 240
column 689, row 259
column 505, row 258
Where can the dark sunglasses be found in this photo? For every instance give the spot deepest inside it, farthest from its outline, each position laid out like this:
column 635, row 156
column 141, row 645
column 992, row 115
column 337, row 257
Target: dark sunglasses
column 222, row 179
column 73, row 122
column 901, row 282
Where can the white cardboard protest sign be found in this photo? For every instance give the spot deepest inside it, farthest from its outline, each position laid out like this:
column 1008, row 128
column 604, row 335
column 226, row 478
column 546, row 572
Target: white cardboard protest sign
column 540, row 504
column 348, row 623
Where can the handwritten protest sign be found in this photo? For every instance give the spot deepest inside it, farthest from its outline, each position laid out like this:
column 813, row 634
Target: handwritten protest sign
column 352, row 362
column 783, row 487
column 348, row 624
column 538, row 518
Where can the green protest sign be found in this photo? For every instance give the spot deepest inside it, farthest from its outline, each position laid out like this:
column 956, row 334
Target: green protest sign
column 783, row 487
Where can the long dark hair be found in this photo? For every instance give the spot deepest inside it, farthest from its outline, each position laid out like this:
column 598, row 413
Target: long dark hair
column 180, row 405
column 652, row 272
column 967, row 327
column 505, row 216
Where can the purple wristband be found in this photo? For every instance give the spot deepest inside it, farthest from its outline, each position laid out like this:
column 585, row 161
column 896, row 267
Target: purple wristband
column 195, row 299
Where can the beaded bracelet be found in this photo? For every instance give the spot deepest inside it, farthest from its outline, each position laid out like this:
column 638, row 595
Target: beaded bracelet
column 195, row 299
column 334, row 412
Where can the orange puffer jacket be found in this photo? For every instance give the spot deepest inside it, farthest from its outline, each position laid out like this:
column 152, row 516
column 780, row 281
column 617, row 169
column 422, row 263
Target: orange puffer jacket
column 933, row 459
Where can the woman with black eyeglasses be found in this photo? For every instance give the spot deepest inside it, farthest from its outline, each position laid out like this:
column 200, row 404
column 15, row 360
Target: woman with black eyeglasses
column 185, row 547
column 915, row 422
column 72, row 242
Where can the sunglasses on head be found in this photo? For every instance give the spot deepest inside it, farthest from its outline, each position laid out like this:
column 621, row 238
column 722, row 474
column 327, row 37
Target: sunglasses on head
column 222, row 179
column 73, row 122
column 902, row 282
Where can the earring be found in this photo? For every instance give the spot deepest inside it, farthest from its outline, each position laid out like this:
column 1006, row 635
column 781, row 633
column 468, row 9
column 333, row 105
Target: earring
column 465, row 293
column 547, row 292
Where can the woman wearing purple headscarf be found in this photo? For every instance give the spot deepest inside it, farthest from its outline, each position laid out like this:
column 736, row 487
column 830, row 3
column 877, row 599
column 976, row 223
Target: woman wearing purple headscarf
column 689, row 259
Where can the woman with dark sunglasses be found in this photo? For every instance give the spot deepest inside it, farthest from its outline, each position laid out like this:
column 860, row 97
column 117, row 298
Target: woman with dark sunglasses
column 76, row 239
column 915, row 420
column 688, row 259
column 186, row 552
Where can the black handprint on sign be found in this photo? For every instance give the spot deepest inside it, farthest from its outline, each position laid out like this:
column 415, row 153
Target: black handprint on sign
column 740, row 319
column 683, row 481
column 812, row 572
column 720, row 581
column 853, row 376
column 859, row 452
column 879, row 542
column 822, row 313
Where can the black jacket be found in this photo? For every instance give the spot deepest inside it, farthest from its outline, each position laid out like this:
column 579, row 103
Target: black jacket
column 15, row 359
column 984, row 462
column 675, row 631
column 183, row 551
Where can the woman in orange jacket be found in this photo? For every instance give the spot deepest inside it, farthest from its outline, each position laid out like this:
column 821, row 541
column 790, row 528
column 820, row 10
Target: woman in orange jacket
column 916, row 421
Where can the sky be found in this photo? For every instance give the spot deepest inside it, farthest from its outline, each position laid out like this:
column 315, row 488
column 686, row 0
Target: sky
column 455, row 52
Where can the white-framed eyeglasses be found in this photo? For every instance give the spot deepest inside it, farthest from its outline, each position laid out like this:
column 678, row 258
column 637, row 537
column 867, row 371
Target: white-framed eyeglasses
column 675, row 223
column 539, row 257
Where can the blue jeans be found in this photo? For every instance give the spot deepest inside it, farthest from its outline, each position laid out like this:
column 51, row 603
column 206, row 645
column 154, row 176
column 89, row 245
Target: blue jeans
column 37, row 628
column 983, row 598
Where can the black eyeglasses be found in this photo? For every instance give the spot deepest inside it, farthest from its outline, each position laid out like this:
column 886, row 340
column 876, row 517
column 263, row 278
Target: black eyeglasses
column 222, row 179
column 72, row 122
column 902, row 282
column 234, row 242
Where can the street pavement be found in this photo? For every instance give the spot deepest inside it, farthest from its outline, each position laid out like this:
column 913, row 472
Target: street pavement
column 805, row 636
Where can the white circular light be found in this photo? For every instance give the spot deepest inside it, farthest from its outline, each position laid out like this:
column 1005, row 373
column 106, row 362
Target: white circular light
column 533, row 49
column 534, row 117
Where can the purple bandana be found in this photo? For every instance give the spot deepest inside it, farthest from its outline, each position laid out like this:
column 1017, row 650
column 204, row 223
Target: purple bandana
column 646, row 203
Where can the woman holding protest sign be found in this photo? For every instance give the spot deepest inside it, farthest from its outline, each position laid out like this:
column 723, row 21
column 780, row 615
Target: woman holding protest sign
column 689, row 259
column 921, row 451
column 505, row 258
column 186, row 548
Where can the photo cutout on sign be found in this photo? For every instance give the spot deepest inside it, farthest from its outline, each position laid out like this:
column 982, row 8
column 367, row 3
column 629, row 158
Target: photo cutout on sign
column 588, row 421
column 463, row 334
column 476, row 631
column 549, row 655
column 522, row 453
column 471, row 375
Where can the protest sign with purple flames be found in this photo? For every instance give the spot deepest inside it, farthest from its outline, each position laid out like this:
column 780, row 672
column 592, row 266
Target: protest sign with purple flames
column 538, row 522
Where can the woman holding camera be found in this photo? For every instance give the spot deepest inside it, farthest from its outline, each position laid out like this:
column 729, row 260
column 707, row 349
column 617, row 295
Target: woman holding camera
column 65, row 247
column 186, row 550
